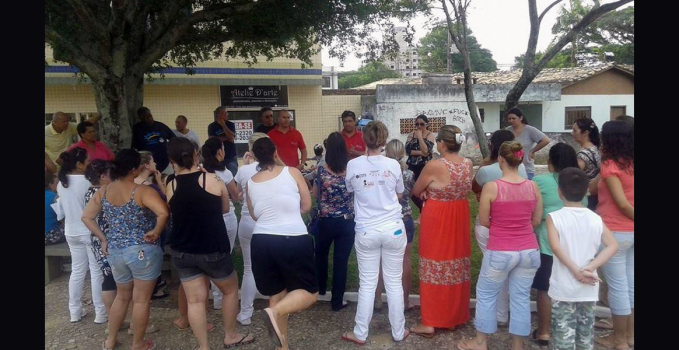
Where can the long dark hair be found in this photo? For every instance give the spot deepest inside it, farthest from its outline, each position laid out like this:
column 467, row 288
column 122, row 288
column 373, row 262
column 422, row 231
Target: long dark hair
column 336, row 153
column 125, row 161
column 519, row 113
column 587, row 124
column 70, row 161
column 209, row 152
column 563, row 156
column 264, row 149
column 617, row 144
column 181, row 151
column 498, row 138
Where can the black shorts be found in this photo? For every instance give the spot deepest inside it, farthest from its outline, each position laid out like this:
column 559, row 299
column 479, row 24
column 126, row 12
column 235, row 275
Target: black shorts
column 409, row 223
column 541, row 280
column 283, row 263
column 217, row 266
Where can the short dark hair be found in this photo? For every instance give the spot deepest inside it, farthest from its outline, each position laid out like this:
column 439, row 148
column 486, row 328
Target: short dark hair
column 349, row 114
column 562, row 156
column 219, row 109
column 142, row 111
column 183, row 117
column 264, row 149
column 264, row 109
column 82, row 127
column 573, row 184
column 423, row 117
column 519, row 113
column 125, row 161
column 626, row 118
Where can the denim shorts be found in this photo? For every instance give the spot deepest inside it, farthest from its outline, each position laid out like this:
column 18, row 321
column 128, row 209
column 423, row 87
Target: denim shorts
column 141, row 262
column 217, row 266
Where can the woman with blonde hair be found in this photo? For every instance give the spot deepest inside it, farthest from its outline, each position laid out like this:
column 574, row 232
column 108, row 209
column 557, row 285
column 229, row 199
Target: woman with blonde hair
column 377, row 184
column 445, row 247
column 511, row 207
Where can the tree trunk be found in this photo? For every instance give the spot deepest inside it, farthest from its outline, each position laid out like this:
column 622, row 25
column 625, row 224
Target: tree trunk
column 471, row 105
column 117, row 101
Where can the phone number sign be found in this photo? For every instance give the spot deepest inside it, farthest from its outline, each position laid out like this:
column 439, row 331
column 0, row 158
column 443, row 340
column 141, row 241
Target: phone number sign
column 244, row 129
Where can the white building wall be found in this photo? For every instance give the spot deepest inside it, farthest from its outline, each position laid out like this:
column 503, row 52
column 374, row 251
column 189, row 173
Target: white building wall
column 492, row 116
column 554, row 112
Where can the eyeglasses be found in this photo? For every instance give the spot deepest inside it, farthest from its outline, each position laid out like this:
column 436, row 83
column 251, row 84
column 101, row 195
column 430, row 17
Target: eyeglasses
column 420, row 124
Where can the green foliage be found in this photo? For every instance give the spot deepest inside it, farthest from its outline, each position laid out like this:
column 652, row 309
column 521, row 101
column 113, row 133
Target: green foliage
column 367, row 74
column 433, row 54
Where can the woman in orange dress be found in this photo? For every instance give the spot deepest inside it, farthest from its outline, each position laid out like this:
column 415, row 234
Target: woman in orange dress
column 445, row 246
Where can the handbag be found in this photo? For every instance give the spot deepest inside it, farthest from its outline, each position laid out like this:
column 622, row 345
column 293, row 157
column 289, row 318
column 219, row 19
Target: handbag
column 314, row 225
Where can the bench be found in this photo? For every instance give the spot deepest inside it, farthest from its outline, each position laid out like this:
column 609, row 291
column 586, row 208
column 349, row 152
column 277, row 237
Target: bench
column 55, row 254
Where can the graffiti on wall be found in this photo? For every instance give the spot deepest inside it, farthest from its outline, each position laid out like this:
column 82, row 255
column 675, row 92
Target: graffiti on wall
column 457, row 115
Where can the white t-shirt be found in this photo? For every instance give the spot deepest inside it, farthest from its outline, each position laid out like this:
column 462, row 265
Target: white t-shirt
column 580, row 231
column 276, row 203
column 72, row 202
column 375, row 181
column 191, row 135
column 244, row 174
column 227, row 177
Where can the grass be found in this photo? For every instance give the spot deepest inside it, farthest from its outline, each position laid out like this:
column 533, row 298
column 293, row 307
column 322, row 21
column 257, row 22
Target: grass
column 352, row 276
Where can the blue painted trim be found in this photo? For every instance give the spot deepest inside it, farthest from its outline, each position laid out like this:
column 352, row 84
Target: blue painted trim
column 201, row 70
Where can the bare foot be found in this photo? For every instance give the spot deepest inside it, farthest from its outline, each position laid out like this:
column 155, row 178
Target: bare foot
column 421, row 329
column 630, row 340
column 238, row 339
column 609, row 342
column 472, row 344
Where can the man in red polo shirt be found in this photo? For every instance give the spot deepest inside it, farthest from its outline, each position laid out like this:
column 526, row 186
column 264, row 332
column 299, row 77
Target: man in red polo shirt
column 288, row 141
column 352, row 137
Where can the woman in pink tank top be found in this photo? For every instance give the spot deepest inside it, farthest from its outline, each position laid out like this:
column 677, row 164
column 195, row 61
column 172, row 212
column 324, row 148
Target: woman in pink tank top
column 511, row 207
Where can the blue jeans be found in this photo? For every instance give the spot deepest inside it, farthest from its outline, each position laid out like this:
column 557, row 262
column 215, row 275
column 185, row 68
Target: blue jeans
column 498, row 266
column 619, row 274
column 231, row 164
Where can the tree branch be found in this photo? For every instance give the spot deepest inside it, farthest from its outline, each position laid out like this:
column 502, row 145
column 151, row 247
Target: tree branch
column 91, row 22
column 542, row 15
column 589, row 18
column 76, row 56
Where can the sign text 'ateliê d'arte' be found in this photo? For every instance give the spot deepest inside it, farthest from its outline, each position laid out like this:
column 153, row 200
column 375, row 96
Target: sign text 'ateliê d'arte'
column 254, row 96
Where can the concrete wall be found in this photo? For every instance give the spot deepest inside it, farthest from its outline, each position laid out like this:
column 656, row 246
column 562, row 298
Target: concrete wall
column 554, row 112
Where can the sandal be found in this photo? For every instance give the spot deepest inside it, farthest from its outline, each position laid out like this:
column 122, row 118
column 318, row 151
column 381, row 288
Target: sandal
column 103, row 346
column 608, row 345
column 346, row 338
column 161, row 296
column 210, row 327
column 604, row 323
column 534, row 338
column 150, row 345
column 242, row 341
column 272, row 327
column 422, row 334
column 463, row 344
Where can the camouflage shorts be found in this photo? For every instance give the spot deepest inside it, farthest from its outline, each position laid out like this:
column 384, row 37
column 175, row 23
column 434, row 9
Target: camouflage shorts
column 572, row 325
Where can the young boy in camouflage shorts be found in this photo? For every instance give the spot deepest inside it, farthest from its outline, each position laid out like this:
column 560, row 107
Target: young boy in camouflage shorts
column 575, row 235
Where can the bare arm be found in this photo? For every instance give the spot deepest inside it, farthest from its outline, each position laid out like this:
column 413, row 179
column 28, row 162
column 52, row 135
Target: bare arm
column 249, row 203
column 234, row 191
column 537, row 212
column 425, row 179
column 149, row 198
column 305, row 195
column 543, row 142
column 594, row 185
column 49, row 164
column 94, row 119
column 304, row 157
column 488, row 195
column 581, row 164
column 615, row 187
column 606, row 254
column 228, row 135
column 423, row 146
column 89, row 219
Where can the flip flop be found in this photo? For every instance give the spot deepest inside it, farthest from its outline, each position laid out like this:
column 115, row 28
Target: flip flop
column 604, row 323
column 242, row 341
column 350, row 340
column 103, row 346
column 534, row 338
column 422, row 334
column 460, row 345
column 150, row 345
column 209, row 329
column 164, row 295
column 272, row 327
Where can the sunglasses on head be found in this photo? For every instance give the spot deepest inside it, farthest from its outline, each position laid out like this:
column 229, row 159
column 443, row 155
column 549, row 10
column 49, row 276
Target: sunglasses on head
column 420, row 124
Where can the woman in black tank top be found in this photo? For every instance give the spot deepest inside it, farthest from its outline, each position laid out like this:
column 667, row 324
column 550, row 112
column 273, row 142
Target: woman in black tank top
column 199, row 242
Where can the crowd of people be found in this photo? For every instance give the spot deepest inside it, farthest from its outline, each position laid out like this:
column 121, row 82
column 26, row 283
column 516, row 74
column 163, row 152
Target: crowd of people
column 118, row 212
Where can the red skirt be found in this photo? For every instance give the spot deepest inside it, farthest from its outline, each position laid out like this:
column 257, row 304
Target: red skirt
column 445, row 251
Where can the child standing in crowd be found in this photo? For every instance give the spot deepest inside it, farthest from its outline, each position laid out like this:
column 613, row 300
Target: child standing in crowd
column 575, row 235
column 54, row 229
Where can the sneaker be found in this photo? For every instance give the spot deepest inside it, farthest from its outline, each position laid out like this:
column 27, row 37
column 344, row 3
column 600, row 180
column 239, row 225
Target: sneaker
column 77, row 318
column 245, row 322
column 149, row 329
column 100, row 319
column 217, row 304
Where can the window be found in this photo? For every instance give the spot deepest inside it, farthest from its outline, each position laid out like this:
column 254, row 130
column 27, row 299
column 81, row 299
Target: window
column 415, row 53
column 617, row 111
column 575, row 113
column 327, row 83
column 482, row 115
column 414, row 67
column 407, row 67
column 392, row 67
column 407, row 74
column 414, row 60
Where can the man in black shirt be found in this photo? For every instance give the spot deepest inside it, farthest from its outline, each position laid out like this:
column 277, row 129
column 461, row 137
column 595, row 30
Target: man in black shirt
column 225, row 130
column 152, row 136
column 267, row 119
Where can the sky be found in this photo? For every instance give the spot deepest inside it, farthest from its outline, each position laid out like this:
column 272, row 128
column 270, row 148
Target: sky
column 501, row 26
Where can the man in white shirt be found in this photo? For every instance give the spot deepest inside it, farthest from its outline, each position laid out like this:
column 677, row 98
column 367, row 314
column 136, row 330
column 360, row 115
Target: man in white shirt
column 183, row 131
column 61, row 134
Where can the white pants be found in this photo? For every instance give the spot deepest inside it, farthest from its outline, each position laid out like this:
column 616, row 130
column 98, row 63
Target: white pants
column 248, row 289
column 482, row 233
column 82, row 257
column 231, row 223
column 387, row 244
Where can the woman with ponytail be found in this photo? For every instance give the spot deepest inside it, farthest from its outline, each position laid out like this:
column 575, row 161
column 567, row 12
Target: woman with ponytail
column 136, row 216
column 445, row 247
column 71, row 189
column 511, row 207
